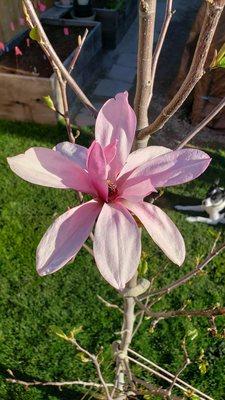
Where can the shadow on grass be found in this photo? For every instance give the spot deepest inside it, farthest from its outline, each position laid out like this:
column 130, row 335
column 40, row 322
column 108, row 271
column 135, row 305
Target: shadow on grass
column 44, row 133
column 63, row 393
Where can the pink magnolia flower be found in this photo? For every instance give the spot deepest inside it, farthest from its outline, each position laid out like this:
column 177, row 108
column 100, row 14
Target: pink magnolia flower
column 118, row 182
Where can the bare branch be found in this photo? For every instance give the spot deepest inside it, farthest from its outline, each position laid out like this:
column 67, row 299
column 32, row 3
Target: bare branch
column 62, row 84
column 89, row 249
column 189, row 275
column 147, row 11
column 94, row 359
column 59, row 384
column 127, row 332
column 164, row 374
column 213, row 12
column 110, row 305
column 202, row 124
column 181, row 313
column 183, row 367
column 33, row 19
column 168, row 16
column 77, row 51
column 155, row 390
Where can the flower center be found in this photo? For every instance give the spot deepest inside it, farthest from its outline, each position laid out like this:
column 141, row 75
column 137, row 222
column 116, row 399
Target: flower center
column 113, row 191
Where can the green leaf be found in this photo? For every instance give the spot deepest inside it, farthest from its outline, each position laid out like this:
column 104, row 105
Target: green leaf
column 143, row 268
column 203, row 367
column 49, row 102
column 219, row 59
column 57, row 331
column 75, row 332
column 83, row 357
column 34, row 34
column 221, row 63
column 192, row 334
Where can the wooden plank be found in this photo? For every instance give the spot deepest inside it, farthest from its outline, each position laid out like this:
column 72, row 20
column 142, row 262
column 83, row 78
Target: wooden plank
column 10, row 12
column 25, row 104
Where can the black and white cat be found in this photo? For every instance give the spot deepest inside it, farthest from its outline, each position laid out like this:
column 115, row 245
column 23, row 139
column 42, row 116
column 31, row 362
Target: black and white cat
column 213, row 205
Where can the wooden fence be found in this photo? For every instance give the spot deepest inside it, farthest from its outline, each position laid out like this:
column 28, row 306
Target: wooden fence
column 11, row 17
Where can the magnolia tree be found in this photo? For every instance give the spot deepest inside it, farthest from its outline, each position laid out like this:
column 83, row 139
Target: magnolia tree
column 121, row 173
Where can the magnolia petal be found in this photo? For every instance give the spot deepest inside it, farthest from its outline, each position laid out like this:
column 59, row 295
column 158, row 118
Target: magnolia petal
column 140, row 157
column 110, row 154
column 116, row 121
column 65, row 237
column 74, row 152
column 161, row 229
column 173, row 168
column 47, row 167
column 117, row 258
column 97, row 169
column 135, row 189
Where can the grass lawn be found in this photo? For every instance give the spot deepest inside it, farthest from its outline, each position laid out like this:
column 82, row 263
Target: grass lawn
column 30, row 305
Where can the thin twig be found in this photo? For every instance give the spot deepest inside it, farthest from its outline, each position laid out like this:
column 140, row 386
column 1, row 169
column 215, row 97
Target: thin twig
column 213, row 12
column 188, row 276
column 186, row 362
column 59, row 384
column 168, row 16
column 89, row 249
column 77, row 51
column 180, row 313
column 215, row 242
column 140, row 318
column 154, row 390
column 167, row 376
column 32, row 17
column 62, row 84
column 147, row 12
column 94, row 359
column 167, row 373
column 202, row 124
column 110, row 305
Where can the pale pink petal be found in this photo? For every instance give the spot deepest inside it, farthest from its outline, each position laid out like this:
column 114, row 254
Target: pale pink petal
column 65, row 237
column 116, row 121
column 140, row 157
column 110, row 154
column 74, row 152
column 161, row 229
column 173, row 168
column 117, row 245
column 97, row 169
column 47, row 167
column 135, row 189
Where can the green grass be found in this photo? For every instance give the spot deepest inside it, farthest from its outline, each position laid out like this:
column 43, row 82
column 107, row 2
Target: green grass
column 30, row 305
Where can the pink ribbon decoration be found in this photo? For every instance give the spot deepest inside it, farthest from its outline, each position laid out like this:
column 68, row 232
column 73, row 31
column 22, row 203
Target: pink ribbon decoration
column 2, row 46
column 66, row 31
column 18, row 52
column 41, row 6
column 12, row 26
column 21, row 21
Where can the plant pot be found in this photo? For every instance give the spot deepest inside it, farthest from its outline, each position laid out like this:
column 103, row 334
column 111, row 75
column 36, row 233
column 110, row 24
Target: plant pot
column 115, row 22
column 26, row 79
column 82, row 9
column 63, row 3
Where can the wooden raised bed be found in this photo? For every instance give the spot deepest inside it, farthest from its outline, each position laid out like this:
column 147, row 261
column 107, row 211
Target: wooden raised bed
column 115, row 22
column 25, row 80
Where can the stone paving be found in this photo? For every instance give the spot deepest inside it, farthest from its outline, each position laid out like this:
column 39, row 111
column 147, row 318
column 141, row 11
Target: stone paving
column 119, row 65
column 119, row 73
